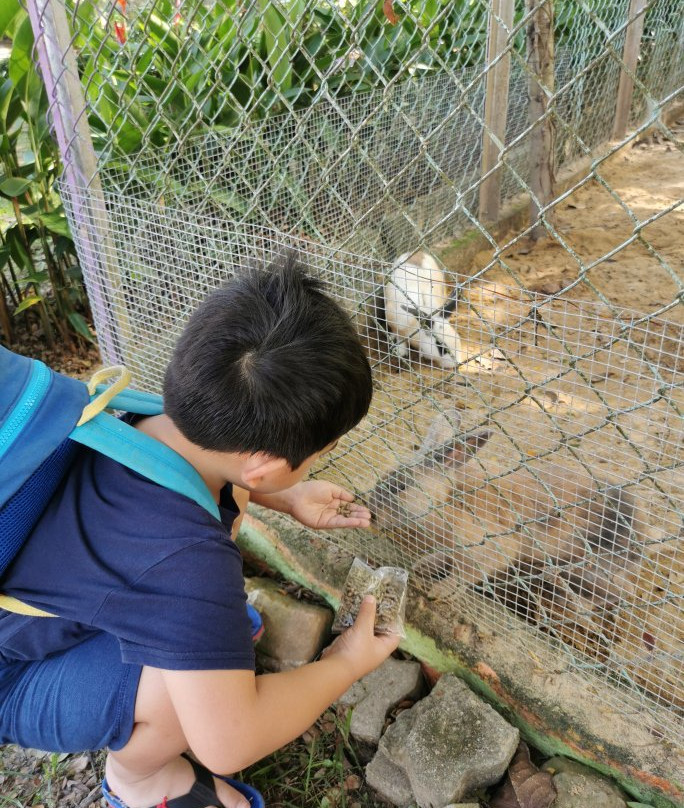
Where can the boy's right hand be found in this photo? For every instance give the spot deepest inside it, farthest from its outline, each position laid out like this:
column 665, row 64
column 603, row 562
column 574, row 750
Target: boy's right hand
column 359, row 646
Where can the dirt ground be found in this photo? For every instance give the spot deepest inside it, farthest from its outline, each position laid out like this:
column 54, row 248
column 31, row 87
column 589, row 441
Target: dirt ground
column 642, row 184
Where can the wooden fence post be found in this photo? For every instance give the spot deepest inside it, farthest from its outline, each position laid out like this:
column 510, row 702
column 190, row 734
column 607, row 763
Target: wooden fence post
column 541, row 81
column 630, row 56
column 496, row 106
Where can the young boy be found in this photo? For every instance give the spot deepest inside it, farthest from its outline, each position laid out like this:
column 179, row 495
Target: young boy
column 151, row 652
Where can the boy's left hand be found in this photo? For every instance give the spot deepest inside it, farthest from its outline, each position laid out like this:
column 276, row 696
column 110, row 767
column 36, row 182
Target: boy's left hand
column 321, row 504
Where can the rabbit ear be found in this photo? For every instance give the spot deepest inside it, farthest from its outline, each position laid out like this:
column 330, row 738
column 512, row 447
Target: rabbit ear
column 474, row 442
column 442, row 429
column 458, row 452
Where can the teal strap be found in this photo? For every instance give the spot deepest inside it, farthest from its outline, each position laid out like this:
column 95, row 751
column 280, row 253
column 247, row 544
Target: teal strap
column 135, row 401
column 144, row 455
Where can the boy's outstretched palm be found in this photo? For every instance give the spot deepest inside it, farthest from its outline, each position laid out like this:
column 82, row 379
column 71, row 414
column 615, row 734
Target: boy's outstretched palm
column 321, row 504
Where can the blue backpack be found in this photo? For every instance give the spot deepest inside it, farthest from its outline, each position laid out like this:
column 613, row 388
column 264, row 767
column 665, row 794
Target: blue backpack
column 43, row 416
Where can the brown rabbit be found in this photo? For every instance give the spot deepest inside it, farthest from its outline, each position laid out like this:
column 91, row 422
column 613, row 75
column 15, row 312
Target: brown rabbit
column 454, row 516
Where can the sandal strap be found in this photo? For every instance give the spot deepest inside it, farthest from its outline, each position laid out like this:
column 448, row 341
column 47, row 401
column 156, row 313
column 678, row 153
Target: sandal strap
column 201, row 795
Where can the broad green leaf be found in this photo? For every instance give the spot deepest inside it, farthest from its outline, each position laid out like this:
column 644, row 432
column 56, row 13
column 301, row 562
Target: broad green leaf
column 17, row 248
column 99, row 93
column 54, row 222
column 8, row 11
column 80, row 326
column 14, row 186
column 163, row 36
column 36, row 278
column 27, row 302
column 129, row 138
column 277, row 36
column 20, row 61
column 66, row 247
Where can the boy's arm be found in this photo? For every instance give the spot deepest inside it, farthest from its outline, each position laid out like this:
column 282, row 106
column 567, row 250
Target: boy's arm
column 233, row 718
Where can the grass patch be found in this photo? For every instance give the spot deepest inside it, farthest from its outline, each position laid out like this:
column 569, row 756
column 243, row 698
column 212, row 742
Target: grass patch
column 320, row 769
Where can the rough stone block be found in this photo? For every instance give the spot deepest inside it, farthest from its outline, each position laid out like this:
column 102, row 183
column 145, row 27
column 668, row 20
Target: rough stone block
column 377, row 693
column 579, row 786
column 386, row 775
column 448, row 745
column 295, row 631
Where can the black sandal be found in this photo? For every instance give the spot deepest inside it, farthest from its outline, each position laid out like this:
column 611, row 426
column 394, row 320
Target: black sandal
column 202, row 793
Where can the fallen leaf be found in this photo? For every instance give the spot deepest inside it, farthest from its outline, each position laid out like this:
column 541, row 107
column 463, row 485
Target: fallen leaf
column 352, row 782
column 78, row 764
column 524, row 786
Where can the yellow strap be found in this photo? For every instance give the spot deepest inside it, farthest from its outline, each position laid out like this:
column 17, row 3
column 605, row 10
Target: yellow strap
column 100, row 403
column 13, row 605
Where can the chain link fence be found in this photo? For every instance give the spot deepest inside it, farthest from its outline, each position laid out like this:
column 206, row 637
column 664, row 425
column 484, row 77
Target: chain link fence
column 525, row 442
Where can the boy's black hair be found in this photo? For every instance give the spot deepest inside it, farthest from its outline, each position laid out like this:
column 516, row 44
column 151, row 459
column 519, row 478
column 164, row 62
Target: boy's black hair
column 268, row 363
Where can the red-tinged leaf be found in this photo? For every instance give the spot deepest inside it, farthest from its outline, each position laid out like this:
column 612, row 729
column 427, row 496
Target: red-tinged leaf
column 524, row 785
column 649, row 640
column 388, row 11
column 122, row 5
column 120, row 31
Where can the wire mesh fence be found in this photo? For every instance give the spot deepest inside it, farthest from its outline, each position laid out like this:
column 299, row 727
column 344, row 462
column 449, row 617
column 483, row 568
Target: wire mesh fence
column 525, row 441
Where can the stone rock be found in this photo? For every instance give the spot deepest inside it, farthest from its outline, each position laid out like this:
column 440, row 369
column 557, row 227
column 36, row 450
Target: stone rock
column 579, row 786
column 377, row 693
column 295, row 631
column 386, row 775
column 448, row 746
column 389, row 780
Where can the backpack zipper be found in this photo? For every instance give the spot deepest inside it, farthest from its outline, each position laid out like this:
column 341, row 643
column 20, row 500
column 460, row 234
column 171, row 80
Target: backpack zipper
column 33, row 394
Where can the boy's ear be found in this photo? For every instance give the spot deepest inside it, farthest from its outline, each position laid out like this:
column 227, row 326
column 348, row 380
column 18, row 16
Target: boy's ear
column 260, row 466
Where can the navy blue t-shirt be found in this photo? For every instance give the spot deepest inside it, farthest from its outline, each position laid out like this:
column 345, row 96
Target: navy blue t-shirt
column 116, row 552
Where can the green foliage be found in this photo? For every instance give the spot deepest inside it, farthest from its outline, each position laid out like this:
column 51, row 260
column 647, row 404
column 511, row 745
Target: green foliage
column 39, row 274
column 155, row 77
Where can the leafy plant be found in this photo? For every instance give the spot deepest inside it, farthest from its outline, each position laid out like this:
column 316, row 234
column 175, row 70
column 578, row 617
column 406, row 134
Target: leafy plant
column 170, row 70
column 39, row 272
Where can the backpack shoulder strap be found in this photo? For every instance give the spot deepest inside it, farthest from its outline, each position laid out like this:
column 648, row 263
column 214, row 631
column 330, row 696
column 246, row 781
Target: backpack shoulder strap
column 144, row 455
column 130, row 447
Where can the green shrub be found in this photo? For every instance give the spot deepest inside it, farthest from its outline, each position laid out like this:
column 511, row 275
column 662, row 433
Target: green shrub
column 39, row 272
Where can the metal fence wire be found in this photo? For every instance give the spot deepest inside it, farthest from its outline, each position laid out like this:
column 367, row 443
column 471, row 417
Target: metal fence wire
column 525, row 441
